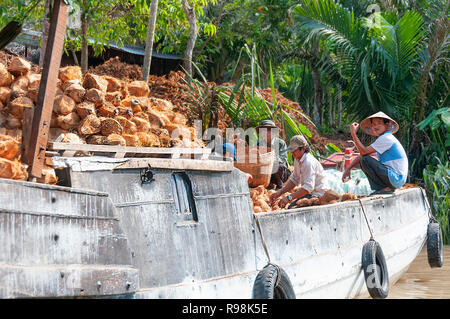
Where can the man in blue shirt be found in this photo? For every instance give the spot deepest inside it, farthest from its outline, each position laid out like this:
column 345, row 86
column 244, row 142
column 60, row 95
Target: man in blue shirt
column 391, row 169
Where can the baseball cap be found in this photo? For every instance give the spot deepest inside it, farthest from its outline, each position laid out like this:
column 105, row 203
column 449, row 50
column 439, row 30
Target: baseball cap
column 296, row 142
column 267, row 123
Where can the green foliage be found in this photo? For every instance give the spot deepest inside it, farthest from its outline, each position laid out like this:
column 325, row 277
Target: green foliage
column 203, row 100
column 378, row 56
column 437, row 183
column 20, row 10
column 438, row 146
column 331, row 148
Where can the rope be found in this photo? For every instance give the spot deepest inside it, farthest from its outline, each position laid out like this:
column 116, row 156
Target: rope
column 267, row 252
column 367, row 221
column 262, row 240
column 430, row 213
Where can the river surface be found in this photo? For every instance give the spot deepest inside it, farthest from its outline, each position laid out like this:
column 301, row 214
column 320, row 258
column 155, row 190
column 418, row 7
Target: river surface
column 423, row 282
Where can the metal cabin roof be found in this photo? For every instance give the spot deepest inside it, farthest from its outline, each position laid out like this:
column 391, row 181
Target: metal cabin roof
column 31, row 37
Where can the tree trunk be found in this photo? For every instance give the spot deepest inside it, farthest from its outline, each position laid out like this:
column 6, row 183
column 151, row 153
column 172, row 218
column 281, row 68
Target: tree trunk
column 317, row 110
column 330, row 108
column 302, row 81
column 45, row 29
column 84, row 44
column 263, row 68
column 317, row 86
column 190, row 15
column 149, row 42
column 339, row 103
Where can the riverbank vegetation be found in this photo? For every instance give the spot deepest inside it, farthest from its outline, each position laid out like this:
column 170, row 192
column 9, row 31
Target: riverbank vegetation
column 340, row 60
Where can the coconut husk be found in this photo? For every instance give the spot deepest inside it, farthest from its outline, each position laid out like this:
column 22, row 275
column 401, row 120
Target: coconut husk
column 329, row 195
column 110, row 126
column 9, row 147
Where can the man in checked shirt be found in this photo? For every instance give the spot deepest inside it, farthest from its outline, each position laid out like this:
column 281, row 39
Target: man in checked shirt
column 308, row 173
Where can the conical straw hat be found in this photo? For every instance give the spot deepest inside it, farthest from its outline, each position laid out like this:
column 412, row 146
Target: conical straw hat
column 366, row 124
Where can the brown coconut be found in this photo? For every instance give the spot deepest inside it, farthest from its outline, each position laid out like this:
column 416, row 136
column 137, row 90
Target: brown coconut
column 138, row 88
column 70, row 73
column 33, row 86
column 16, row 106
column 329, row 196
column 11, row 169
column 157, row 119
column 110, row 126
column 66, row 137
column 95, row 96
column 107, row 110
column 114, row 84
column 92, row 81
column 114, row 98
column 141, row 124
column 91, row 124
column 128, row 126
column 85, row 108
column 64, row 105
column 6, row 78
column 131, row 140
column 115, row 139
column 76, row 92
column 65, row 85
column 97, row 140
column 148, row 139
column 69, row 121
column 20, row 86
column 19, row 66
column 9, row 147
column 5, row 93
column 161, row 104
column 125, row 111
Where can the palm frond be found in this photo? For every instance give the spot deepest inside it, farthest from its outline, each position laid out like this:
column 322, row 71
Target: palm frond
column 332, row 22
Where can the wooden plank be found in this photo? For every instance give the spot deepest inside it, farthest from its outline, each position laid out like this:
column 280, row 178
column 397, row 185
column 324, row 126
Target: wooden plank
column 182, row 164
column 47, row 89
column 58, row 146
column 26, row 132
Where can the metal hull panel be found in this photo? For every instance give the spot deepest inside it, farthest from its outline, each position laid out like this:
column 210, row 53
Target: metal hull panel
column 111, row 236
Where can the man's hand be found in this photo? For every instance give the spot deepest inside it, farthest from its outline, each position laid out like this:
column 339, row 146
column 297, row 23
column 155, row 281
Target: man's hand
column 346, row 176
column 274, row 197
column 283, row 202
column 354, row 128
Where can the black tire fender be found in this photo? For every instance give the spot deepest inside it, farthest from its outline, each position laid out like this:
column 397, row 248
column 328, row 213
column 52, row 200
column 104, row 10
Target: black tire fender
column 272, row 282
column 435, row 245
column 375, row 270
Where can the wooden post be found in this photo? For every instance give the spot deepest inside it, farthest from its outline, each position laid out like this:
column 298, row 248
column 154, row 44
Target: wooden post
column 47, row 89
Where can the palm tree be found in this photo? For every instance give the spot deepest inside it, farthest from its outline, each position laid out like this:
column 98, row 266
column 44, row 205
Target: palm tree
column 149, row 41
column 376, row 56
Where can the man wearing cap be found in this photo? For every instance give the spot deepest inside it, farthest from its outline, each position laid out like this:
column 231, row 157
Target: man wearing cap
column 308, row 173
column 391, row 169
column 268, row 133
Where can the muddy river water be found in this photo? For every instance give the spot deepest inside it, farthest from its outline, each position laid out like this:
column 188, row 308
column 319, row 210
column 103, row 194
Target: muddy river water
column 422, row 281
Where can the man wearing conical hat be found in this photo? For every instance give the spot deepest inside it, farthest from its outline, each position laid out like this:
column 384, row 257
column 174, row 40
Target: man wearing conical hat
column 391, row 169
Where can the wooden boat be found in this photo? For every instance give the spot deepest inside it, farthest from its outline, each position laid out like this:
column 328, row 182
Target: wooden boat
column 184, row 230
column 176, row 228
